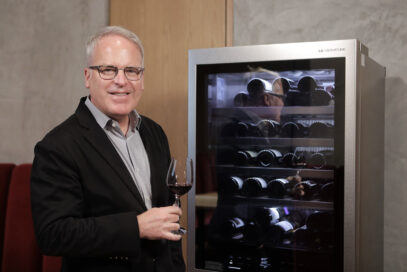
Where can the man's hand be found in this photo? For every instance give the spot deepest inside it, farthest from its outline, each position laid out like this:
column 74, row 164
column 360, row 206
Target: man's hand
column 157, row 223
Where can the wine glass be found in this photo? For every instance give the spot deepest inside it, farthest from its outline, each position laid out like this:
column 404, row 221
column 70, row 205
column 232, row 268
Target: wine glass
column 179, row 181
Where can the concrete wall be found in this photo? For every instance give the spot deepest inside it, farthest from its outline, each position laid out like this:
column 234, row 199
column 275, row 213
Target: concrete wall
column 41, row 67
column 382, row 26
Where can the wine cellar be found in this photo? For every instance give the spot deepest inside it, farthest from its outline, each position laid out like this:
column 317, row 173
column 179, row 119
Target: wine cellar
column 276, row 183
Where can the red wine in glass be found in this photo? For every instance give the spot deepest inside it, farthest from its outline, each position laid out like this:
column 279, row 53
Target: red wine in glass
column 179, row 189
column 179, row 181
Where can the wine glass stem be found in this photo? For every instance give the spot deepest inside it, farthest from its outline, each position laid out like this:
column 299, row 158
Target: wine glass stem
column 177, row 201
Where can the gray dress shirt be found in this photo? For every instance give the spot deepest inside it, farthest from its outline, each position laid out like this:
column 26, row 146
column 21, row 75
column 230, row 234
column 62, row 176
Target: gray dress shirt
column 130, row 148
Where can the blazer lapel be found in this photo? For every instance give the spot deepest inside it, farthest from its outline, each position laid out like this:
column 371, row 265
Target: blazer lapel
column 146, row 138
column 99, row 140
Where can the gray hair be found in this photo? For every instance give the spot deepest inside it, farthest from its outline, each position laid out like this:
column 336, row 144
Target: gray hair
column 112, row 30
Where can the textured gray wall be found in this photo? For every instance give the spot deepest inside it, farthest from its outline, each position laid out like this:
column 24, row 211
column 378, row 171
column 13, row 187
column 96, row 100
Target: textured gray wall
column 382, row 26
column 41, row 67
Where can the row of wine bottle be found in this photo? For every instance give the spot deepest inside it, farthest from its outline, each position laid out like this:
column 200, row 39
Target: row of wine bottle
column 271, row 128
column 308, row 92
column 278, row 226
column 315, row 158
column 290, row 187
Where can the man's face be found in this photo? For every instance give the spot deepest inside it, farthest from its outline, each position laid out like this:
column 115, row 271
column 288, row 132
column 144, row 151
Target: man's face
column 119, row 96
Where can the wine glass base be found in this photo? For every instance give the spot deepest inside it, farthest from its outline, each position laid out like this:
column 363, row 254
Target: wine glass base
column 180, row 231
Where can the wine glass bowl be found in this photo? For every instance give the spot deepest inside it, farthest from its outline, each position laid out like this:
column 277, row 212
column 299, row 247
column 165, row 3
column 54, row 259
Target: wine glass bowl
column 179, row 181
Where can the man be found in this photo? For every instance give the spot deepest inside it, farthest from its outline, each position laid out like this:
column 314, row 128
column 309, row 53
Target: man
column 98, row 191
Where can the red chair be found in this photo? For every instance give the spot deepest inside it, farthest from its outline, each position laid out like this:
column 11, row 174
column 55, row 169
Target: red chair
column 5, row 174
column 51, row 264
column 20, row 251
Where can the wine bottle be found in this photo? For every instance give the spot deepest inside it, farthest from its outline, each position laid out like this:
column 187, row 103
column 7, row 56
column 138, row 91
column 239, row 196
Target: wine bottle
column 327, row 192
column 289, row 159
column 240, row 99
column 279, row 188
column 321, row 98
column 268, row 157
column 282, row 85
column 267, row 216
column 320, row 221
column 306, row 190
column 245, row 157
column 252, row 234
column 293, row 130
column 321, row 159
column 303, row 157
column 257, row 86
column 321, row 129
column 292, row 160
column 232, row 229
column 302, row 237
column 322, row 226
column 268, row 128
column 287, row 225
column 254, row 186
column 307, row 84
column 297, row 98
column 231, row 185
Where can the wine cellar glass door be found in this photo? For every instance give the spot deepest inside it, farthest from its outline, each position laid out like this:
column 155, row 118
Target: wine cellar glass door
column 269, row 154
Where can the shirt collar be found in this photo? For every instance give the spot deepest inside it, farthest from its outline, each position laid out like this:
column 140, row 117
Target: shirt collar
column 103, row 120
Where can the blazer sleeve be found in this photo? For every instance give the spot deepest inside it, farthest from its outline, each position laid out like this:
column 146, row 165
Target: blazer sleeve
column 62, row 228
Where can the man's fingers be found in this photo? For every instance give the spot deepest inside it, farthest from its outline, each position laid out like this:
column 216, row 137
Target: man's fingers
column 173, row 210
column 170, row 235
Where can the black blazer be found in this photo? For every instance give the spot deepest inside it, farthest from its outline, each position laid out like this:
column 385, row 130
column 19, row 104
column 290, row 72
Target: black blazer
column 85, row 203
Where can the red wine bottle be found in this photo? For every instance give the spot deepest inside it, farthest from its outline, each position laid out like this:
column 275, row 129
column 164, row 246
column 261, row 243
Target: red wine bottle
column 268, row 128
column 321, row 159
column 302, row 237
column 242, row 129
column 279, row 188
column 267, row 216
column 285, row 227
column 292, row 160
column 307, row 84
column 320, row 221
column 257, row 86
column 293, row 130
column 321, row 98
column 254, row 187
column 268, row 157
column 233, row 229
column 327, row 192
column 282, row 85
column 245, row 157
column 240, row 99
column 306, row 190
column 231, row 185
column 322, row 226
column 321, row 129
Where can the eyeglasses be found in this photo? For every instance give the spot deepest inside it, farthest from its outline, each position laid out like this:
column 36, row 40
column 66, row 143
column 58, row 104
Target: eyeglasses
column 109, row 72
